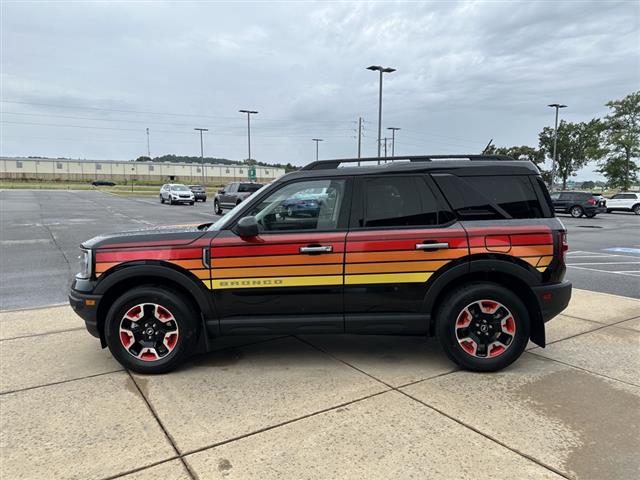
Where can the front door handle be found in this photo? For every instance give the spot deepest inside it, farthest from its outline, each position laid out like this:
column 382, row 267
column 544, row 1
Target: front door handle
column 431, row 246
column 318, row 249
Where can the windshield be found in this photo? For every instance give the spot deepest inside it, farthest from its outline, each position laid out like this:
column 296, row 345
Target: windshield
column 179, row 188
column 229, row 216
column 249, row 187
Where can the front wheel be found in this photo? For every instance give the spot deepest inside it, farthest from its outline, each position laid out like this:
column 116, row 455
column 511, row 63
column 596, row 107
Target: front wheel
column 636, row 209
column 191, row 203
column 482, row 326
column 161, row 199
column 151, row 329
column 204, row 200
column 576, row 212
column 216, row 207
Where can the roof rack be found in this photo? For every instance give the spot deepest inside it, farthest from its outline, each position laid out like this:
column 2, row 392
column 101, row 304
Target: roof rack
column 331, row 164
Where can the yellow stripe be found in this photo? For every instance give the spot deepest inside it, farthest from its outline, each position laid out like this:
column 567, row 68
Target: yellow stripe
column 541, row 269
column 387, row 278
column 275, row 282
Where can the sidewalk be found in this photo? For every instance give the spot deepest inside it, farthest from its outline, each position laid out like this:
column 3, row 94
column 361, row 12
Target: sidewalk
column 324, row 406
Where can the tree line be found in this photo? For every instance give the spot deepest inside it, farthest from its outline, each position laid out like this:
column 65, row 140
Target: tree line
column 213, row 160
column 612, row 141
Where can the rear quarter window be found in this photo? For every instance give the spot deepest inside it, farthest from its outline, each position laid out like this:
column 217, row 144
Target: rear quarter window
column 492, row 197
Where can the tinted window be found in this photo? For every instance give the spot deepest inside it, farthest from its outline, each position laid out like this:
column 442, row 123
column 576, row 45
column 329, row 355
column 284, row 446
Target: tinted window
column 249, row 187
column 232, row 188
column 395, row 201
column 305, row 205
column 491, row 197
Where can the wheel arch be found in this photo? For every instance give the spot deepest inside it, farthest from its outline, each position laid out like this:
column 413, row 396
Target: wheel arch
column 506, row 273
column 163, row 274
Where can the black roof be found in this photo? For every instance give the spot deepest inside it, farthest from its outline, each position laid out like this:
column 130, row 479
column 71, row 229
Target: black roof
column 471, row 164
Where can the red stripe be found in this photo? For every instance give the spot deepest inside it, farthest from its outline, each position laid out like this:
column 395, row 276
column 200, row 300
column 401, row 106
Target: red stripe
column 283, row 249
column 506, row 240
column 425, row 233
column 510, row 230
column 409, row 244
column 160, row 254
column 274, row 239
column 535, row 239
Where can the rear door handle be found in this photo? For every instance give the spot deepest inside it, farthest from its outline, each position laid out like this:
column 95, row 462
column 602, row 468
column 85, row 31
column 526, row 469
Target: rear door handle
column 431, row 246
column 318, row 249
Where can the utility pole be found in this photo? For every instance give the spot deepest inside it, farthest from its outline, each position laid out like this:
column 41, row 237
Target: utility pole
column 557, row 106
column 359, row 137
column 317, row 140
column 385, row 149
column 381, row 69
column 249, row 113
column 393, row 140
column 202, row 150
column 148, row 148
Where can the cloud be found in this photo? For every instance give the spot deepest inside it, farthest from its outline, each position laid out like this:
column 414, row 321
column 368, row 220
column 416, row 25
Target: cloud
column 467, row 72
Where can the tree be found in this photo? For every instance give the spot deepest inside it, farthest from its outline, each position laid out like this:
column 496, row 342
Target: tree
column 621, row 141
column 523, row 152
column 143, row 159
column 578, row 144
column 588, row 185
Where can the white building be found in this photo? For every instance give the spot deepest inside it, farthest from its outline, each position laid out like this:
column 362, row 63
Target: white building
column 51, row 169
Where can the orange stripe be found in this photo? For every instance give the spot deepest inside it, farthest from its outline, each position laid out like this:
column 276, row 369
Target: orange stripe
column 545, row 261
column 401, row 255
column 276, row 260
column 528, row 251
column 277, row 271
column 104, row 266
column 202, row 274
column 188, row 264
column 393, row 267
column 533, row 261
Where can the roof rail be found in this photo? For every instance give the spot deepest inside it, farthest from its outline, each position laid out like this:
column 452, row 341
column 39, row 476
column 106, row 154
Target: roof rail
column 331, row 164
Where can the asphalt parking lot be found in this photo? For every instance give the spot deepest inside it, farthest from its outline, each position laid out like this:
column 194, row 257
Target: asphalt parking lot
column 40, row 232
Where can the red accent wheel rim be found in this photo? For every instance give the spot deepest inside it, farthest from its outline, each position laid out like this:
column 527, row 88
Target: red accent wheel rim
column 485, row 329
column 149, row 332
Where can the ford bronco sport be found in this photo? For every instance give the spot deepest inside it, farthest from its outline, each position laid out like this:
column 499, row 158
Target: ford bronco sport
column 465, row 248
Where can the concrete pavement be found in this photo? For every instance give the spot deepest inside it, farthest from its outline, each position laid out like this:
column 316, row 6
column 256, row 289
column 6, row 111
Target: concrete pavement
column 323, row 406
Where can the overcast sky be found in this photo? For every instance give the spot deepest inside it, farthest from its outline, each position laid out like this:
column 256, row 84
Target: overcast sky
column 84, row 80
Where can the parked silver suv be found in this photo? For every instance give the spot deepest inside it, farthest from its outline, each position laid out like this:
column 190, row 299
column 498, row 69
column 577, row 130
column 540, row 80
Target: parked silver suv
column 176, row 193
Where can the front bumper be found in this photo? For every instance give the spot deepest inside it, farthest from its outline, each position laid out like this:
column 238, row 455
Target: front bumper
column 553, row 298
column 86, row 307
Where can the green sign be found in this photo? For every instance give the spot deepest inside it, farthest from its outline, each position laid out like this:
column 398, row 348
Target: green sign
column 251, row 172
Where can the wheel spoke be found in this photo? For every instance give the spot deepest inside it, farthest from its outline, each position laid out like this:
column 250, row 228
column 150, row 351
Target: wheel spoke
column 149, row 331
column 485, row 328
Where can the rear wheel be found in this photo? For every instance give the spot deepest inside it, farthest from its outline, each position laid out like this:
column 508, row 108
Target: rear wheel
column 636, row 209
column 576, row 211
column 216, row 207
column 151, row 329
column 191, row 203
column 482, row 326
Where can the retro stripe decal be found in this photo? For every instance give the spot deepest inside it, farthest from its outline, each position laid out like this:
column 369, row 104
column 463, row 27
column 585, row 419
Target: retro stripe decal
column 263, row 282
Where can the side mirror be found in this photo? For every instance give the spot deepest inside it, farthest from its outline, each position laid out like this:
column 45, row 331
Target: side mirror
column 247, row 227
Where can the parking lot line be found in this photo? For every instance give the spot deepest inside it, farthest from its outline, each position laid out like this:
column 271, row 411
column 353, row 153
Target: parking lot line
column 604, row 271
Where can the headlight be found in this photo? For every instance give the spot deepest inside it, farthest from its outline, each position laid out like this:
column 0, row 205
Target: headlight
column 86, row 264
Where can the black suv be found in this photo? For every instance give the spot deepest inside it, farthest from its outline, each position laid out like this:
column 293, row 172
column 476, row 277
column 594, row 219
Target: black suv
column 465, row 248
column 234, row 193
column 199, row 192
column 578, row 204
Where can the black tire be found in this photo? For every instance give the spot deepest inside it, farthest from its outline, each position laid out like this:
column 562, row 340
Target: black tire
column 576, row 211
column 170, row 201
column 636, row 209
column 608, row 210
column 161, row 199
column 204, row 200
column 216, row 207
column 463, row 299
column 191, row 203
column 183, row 314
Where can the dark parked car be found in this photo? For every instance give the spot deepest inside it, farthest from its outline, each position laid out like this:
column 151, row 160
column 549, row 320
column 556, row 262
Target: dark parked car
column 102, row 183
column 199, row 192
column 466, row 249
column 234, row 193
column 578, row 204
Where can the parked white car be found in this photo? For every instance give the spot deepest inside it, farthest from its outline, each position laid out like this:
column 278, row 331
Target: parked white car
column 176, row 193
column 624, row 202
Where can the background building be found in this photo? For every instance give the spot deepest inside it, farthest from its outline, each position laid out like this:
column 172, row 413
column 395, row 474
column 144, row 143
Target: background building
column 50, row 169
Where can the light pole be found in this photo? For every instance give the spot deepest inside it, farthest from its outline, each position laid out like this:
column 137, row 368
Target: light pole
column 249, row 113
column 317, row 140
column 557, row 106
column 381, row 69
column 148, row 147
column 202, row 151
column 393, row 140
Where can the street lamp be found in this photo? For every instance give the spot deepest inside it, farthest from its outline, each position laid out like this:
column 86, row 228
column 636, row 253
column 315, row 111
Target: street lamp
column 202, row 150
column 557, row 106
column 317, row 140
column 249, row 113
column 393, row 140
column 381, row 69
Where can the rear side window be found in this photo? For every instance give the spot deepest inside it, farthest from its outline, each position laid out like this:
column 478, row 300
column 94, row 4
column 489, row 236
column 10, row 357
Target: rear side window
column 395, row 201
column 491, row 197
